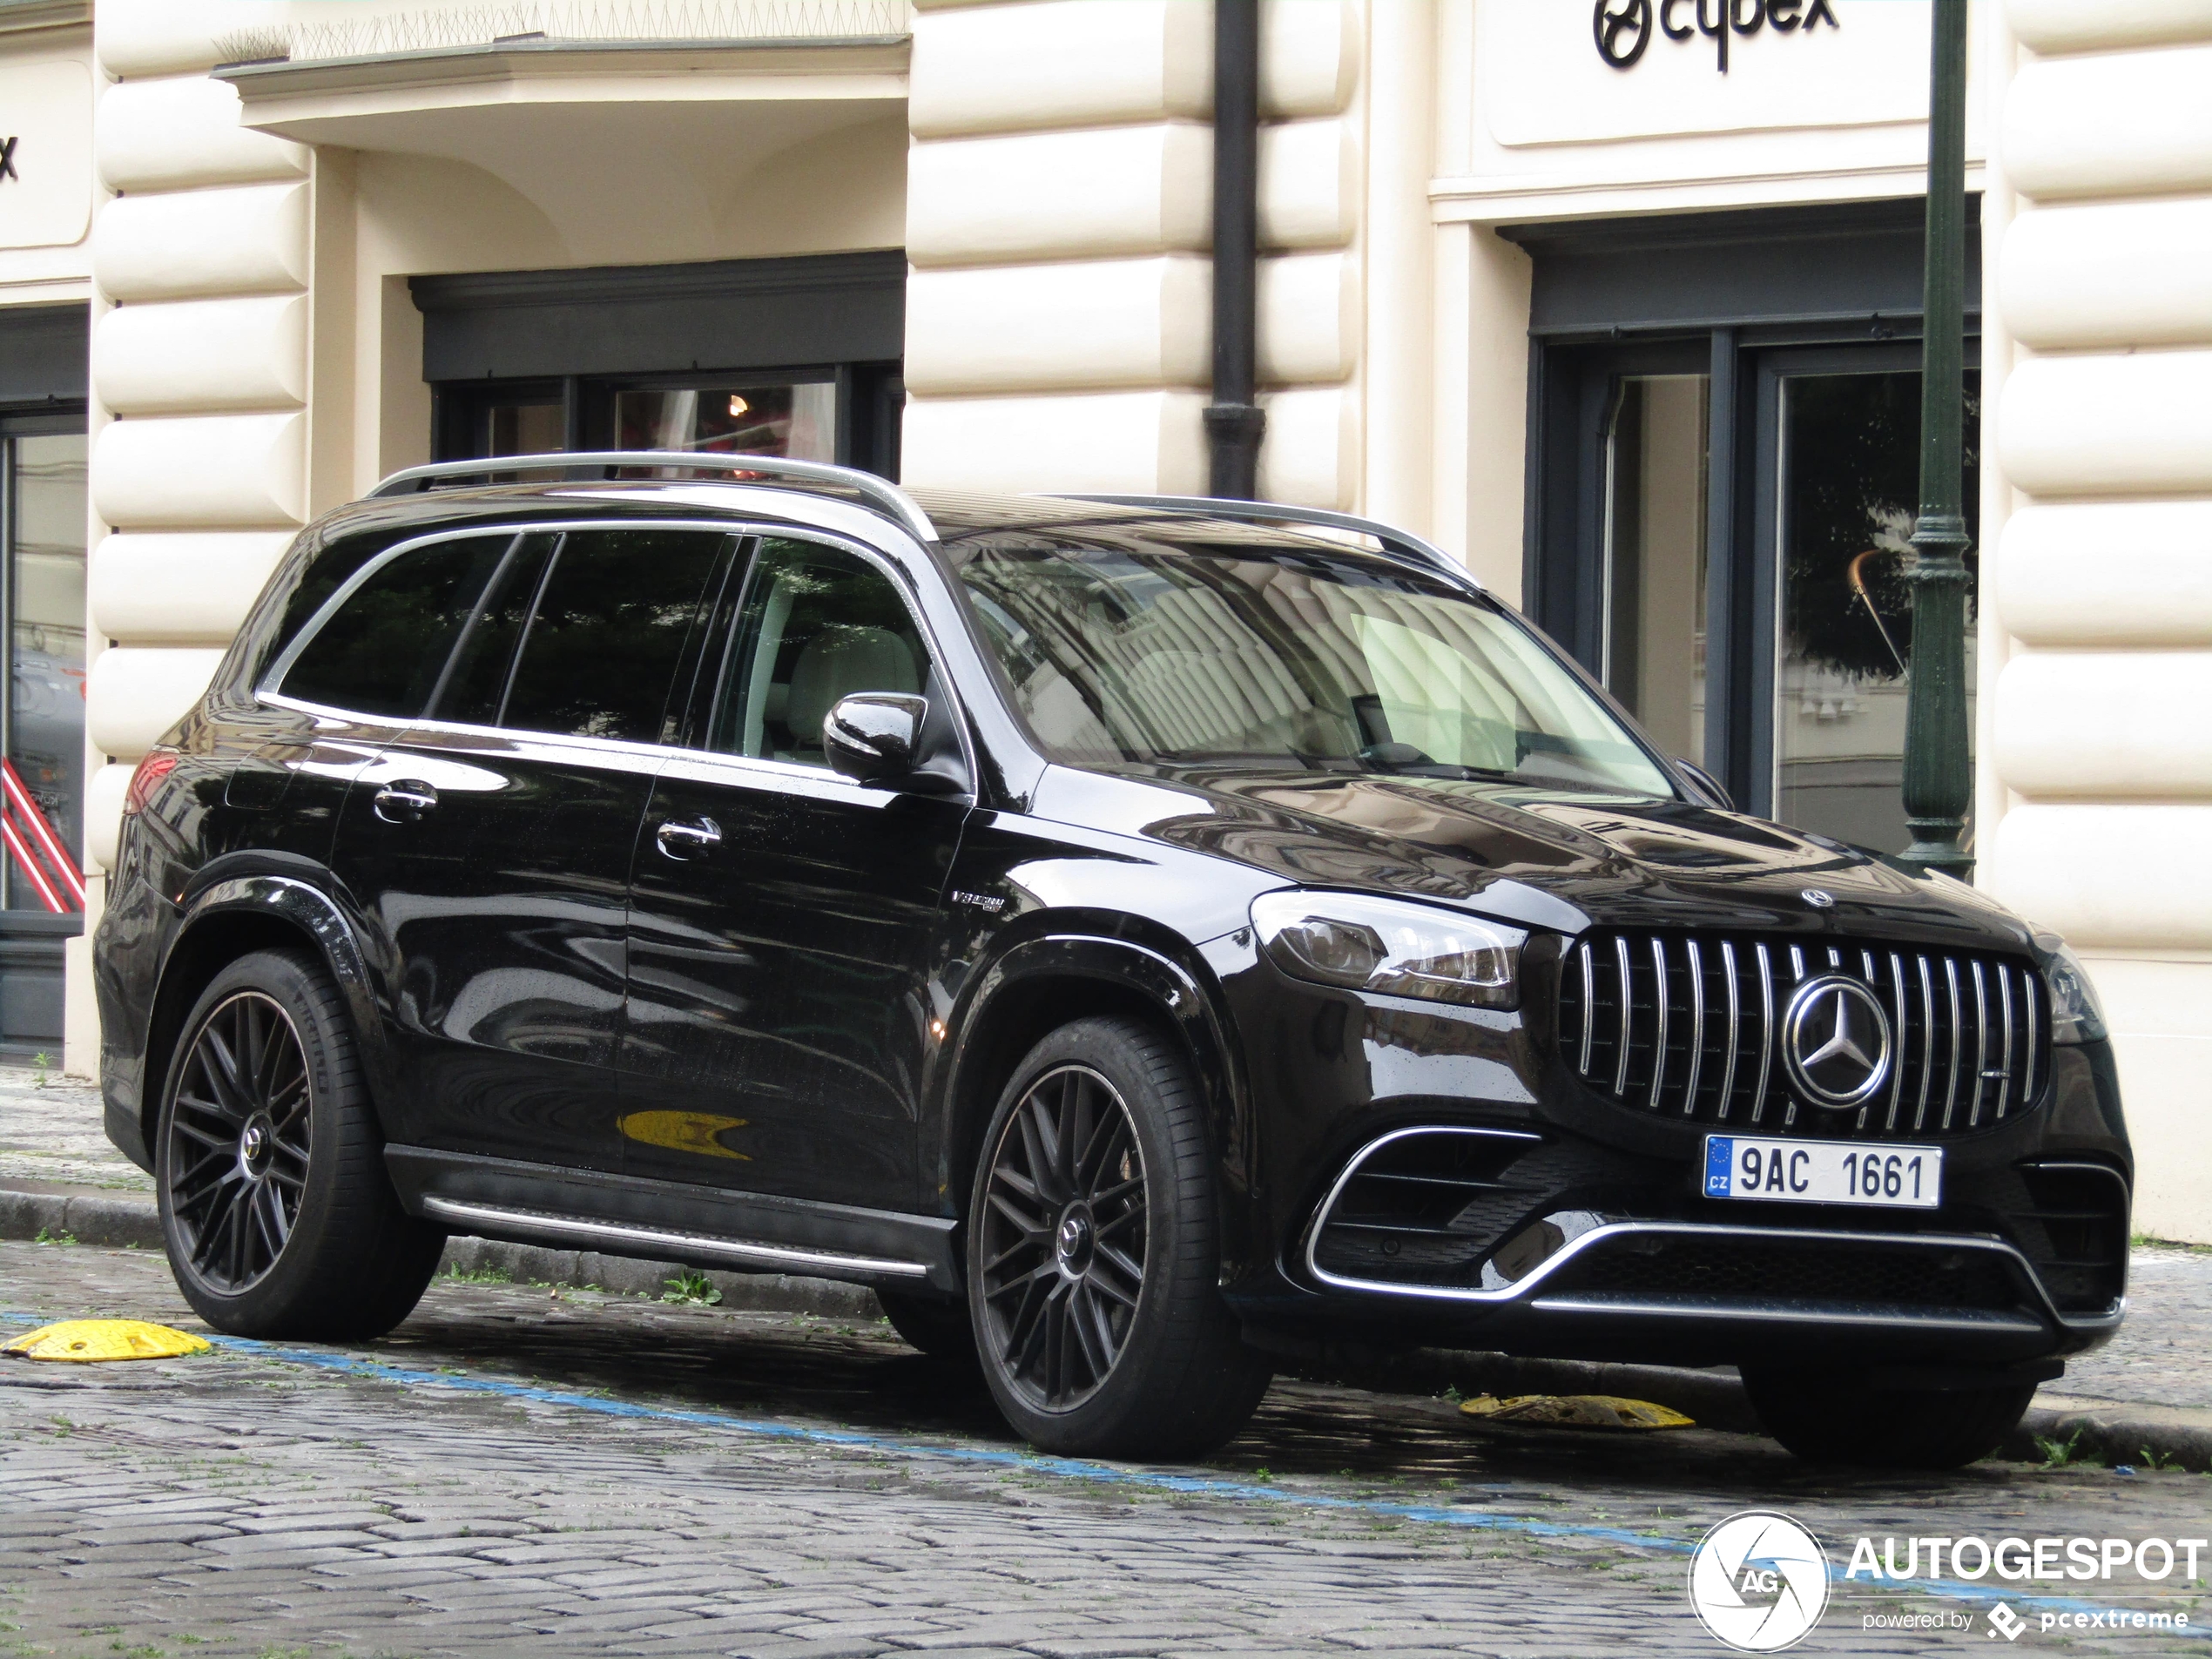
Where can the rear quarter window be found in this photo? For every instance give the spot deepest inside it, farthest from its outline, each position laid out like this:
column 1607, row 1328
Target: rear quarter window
column 381, row 650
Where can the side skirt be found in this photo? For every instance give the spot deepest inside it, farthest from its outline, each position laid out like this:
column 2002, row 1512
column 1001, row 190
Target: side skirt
column 542, row 1204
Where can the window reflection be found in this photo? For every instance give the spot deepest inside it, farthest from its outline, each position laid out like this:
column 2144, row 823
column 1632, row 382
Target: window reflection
column 1655, row 527
column 45, row 532
column 1850, row 465
column 795, row 421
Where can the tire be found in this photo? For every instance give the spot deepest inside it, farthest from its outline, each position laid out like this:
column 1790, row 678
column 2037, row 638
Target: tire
column 1094, row 1254
column 276, row 1212
column 940, row 1329
column 1826, row 1418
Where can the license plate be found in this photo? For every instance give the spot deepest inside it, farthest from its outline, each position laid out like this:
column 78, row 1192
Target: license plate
column 1893, row 1177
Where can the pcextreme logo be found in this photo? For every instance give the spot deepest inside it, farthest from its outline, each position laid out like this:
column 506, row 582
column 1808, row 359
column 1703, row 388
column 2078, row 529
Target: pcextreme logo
column 1759, row 1581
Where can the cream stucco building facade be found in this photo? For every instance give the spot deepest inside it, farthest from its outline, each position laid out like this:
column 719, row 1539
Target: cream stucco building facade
column 1618, row 308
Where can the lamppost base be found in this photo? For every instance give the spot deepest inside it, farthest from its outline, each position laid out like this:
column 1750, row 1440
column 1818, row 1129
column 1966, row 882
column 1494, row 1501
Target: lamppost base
column 1935, row 846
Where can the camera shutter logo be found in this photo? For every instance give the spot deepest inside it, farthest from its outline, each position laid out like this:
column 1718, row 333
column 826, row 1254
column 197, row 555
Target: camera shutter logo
column 1759, row 1581
column 1835, row 1042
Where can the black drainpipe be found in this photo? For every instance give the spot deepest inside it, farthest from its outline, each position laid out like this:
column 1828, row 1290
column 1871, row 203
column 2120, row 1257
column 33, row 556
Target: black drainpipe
column 1234, row 420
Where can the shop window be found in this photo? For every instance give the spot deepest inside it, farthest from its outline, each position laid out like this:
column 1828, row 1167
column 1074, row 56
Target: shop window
column 41, row 595
column 1849, row 457
column 795, row 421
column 1725, row 450
column 794, row 357
column 524, row 427
column 1654, row 644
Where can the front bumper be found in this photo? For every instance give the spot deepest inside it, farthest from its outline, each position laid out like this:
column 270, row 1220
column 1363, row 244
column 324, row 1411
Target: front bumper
column 1635, row 1291
column 2025, row 1261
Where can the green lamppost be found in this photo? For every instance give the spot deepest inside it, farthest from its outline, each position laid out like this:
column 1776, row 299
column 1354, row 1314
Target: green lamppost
column 1939, row 766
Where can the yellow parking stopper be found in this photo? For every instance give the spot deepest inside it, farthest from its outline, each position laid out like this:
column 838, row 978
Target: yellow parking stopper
column 88, row 1339
column 1573, row 1411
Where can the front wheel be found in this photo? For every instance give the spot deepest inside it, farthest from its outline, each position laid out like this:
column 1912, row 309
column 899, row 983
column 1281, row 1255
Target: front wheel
column 1827, row 1417
column 1094, row 1254
column 278, row 1218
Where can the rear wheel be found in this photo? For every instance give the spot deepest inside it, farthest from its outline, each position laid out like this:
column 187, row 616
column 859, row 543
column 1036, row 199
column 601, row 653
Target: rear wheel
column 1827, row 1417
column 278, row 1218
column 1094, row 1254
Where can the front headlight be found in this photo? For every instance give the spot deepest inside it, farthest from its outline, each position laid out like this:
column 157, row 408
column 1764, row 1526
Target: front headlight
column 2076, row 1015
column 1366, row 944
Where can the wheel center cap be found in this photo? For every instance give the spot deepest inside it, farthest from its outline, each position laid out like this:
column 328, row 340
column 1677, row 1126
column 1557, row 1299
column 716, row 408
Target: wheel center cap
column 1073, row 1241
column 254, row 1145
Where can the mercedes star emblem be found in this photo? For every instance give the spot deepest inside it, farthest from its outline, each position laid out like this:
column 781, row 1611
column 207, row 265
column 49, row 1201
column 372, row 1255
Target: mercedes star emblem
column 1835, row 1042
column 1818, row 900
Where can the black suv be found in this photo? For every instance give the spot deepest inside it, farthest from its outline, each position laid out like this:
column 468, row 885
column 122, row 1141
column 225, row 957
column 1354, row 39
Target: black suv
column 1142, row 939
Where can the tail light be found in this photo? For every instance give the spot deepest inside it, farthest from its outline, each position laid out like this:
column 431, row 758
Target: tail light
column 147, row 779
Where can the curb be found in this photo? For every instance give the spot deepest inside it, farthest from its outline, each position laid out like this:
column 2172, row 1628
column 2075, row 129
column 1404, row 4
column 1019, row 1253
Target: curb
column 2115, row 1433
column 2104, row 1431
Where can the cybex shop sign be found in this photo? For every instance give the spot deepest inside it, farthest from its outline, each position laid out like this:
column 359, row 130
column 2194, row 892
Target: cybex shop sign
column 1624, row 28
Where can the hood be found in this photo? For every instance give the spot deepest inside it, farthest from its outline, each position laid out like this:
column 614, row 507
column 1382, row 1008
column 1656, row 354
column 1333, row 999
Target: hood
column 1563, row 859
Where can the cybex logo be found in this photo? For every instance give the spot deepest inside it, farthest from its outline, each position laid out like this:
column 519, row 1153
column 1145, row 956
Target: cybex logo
column 8, row 160
column 1623, row 27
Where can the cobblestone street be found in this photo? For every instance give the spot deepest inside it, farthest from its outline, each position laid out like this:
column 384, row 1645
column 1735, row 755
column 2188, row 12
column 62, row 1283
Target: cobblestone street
column 518, row 1470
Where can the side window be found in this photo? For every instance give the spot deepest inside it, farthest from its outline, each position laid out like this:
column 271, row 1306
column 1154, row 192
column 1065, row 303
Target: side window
column 475, row 682
column 600, row 652
column 383, row 650
column 818, row 624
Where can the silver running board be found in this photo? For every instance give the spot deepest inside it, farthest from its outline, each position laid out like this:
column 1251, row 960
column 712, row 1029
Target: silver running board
column 622, row 1239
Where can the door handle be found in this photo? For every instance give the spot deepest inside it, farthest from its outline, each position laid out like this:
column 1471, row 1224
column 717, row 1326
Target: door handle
column 680, row 840
column 404, row 800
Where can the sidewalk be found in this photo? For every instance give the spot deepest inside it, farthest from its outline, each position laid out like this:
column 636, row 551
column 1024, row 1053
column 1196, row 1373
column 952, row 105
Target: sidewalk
column 2149, row 1391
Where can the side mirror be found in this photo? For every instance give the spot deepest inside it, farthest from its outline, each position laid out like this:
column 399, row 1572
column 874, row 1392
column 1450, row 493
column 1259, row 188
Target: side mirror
column 870, row 737
column 1707, row 783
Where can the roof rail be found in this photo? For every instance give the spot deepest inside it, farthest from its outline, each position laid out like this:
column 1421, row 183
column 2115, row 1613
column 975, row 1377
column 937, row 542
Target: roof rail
column 878, row 493
column 1403, row 543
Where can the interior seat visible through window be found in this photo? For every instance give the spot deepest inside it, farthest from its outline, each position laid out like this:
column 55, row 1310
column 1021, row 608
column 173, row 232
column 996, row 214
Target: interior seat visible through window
column 818, row 625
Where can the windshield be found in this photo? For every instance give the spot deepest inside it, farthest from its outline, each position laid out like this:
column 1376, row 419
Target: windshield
column 1261, row 656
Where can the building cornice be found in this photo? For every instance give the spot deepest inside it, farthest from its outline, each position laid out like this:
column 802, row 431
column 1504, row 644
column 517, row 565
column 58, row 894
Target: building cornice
column 1521, row 198
column 42, row 16
column 512, row 62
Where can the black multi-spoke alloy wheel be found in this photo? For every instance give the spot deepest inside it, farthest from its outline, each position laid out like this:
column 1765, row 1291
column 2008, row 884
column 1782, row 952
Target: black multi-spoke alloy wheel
column 239, row 1141
column 275, row 1208
column 1830, row 1417
column 1094, row 1253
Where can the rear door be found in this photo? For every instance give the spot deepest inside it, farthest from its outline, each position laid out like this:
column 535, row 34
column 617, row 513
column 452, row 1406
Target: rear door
column 364, row 660
column 783, row 917
column 492, row 841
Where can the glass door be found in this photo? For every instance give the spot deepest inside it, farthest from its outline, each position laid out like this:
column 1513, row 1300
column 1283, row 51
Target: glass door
column 42, row 615
column 1652, row 641
column 1841, row 465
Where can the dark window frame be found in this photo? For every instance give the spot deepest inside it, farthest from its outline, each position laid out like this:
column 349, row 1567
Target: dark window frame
column 579, row 336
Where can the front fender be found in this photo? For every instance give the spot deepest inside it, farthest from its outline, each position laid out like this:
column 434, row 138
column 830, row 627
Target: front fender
column 1184, row 992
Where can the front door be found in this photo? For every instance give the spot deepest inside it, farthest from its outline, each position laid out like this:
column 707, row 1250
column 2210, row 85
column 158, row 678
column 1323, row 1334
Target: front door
column 492, row 841
column 783, row 917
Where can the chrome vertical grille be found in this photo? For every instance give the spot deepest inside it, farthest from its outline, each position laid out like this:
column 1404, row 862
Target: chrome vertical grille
column 1688, row 1028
